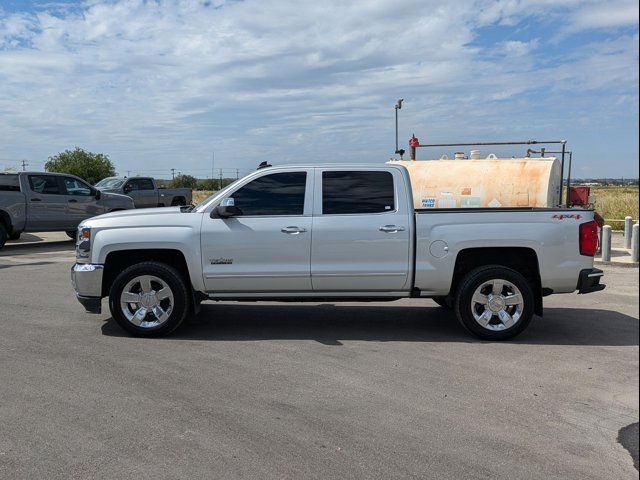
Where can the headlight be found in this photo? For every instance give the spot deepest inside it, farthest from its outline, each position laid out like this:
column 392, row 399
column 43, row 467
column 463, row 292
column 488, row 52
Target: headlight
column 83, row 242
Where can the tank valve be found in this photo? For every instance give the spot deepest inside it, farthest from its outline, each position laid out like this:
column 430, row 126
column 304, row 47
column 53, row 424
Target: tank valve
column 413, row 143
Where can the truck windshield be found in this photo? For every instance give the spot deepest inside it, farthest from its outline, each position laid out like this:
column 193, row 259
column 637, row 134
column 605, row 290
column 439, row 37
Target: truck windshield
column 110, row 183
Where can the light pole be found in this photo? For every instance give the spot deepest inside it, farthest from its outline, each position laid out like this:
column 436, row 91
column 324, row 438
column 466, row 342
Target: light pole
column 398, row 106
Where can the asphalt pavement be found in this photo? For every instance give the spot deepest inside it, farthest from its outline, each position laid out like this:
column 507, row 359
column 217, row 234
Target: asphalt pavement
column 296, row 391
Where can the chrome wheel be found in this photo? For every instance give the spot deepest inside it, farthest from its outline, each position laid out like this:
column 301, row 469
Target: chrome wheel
column 497, row 305
column 147, row 301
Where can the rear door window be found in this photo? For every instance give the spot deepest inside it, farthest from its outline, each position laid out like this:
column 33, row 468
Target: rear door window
column 357, row 192
column 45, row 184
column 9, row 183
column 142, row 184
column 275, row 194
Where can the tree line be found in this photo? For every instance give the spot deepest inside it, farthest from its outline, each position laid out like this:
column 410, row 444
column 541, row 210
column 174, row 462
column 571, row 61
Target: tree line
column 94, row 167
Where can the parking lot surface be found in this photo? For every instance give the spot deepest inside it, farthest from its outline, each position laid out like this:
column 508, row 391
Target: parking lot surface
column 268, row 390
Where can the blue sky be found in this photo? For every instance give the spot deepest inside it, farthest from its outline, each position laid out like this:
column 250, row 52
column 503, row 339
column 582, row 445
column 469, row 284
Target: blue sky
column 161, row 85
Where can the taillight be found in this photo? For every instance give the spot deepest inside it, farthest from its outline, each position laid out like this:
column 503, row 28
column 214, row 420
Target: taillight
column 589, row 238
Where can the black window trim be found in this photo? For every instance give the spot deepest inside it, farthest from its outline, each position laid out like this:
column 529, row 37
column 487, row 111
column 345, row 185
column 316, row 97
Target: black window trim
column 364, row 169
column 307, row 190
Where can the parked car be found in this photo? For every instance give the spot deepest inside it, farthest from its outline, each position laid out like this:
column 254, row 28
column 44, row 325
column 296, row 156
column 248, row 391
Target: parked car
column 333, row 233
column 38, row 202
column 145, row 192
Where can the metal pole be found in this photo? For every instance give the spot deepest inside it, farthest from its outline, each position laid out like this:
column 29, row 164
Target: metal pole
column 628, row 225
column 562, row 174
column 476, row 144
column 635, row 251
column 606, row 243
column 396, row 129
column 569, row 179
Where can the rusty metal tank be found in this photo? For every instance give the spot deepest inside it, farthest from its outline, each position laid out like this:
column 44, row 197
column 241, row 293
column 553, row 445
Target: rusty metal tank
column 490, row 182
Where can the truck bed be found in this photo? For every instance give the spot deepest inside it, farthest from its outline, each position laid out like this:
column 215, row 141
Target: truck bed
column 441, row 234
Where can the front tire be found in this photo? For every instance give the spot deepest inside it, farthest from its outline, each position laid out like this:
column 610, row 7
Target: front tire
column 494, row 303
column 72, row 234
column 149, row 299
column 15, row 236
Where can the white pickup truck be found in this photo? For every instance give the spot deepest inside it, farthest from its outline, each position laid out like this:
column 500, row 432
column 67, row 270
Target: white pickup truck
column 332, row 233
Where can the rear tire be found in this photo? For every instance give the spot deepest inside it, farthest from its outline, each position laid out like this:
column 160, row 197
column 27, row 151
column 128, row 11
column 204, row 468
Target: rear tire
column 178, row 202
column 149, row 299
column 494, row 303
column 4, row 236
column 15, row 236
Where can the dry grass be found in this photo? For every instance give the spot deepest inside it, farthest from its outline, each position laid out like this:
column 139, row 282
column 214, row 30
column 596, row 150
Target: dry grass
column 615, row 203
column 199, row 195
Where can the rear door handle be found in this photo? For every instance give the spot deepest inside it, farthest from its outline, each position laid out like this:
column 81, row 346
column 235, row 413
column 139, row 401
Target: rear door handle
column 391, row 229
column 36, row 199
column 293, row 230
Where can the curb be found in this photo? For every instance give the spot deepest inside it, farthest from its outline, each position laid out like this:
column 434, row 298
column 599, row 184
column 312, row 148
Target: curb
column 617, row 263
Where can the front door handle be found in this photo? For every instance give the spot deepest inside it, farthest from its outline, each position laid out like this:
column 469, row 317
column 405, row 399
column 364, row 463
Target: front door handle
column 293, row 230
column 73, row 200
column 36, row 199
column 391, row 229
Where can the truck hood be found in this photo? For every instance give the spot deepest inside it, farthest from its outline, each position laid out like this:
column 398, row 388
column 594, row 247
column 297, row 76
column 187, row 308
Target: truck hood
column 113, row 194
column 140, row 212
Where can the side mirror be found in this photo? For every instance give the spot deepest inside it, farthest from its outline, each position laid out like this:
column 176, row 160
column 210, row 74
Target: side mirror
column 226, row 209
column 127, row 189
column 97, row 194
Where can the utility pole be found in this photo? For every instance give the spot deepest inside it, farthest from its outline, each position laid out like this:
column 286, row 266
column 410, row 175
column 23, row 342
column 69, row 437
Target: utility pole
column 24, row 165
column 173, row 173
column 237, row 173
column 128, row 173
column 213, row 162
column 220, row 179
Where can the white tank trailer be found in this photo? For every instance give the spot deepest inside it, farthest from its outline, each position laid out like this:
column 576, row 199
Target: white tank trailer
column 489, row 182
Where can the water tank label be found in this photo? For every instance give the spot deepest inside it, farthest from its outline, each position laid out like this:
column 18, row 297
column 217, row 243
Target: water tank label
column 495, row 203
column 429, row 202
column 470, row 202
column 447, row 200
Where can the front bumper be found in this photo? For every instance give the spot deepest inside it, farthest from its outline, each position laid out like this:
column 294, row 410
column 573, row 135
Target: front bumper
column 589, row 280
column 86, row 279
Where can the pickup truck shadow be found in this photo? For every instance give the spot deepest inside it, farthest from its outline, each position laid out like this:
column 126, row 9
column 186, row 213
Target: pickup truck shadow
column 33, row 247
column 331, row 324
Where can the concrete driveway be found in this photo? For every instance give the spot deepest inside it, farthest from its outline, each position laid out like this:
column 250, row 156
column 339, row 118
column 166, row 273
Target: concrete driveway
column 267, row 390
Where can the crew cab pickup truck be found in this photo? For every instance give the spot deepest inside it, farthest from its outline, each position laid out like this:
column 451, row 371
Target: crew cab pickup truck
column 145, row 192
column 39, row 202
column 332, row 233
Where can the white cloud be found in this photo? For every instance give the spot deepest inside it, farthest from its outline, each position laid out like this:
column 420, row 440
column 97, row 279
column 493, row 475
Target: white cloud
column 166, row 82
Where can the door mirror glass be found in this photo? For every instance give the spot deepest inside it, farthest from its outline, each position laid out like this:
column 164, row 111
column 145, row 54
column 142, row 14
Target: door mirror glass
column 226, row 209
column 97, row 194
column 127, row 188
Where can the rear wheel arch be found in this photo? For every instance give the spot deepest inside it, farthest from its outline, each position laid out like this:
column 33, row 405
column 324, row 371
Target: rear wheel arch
column 523, row 260
column 5, row 220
